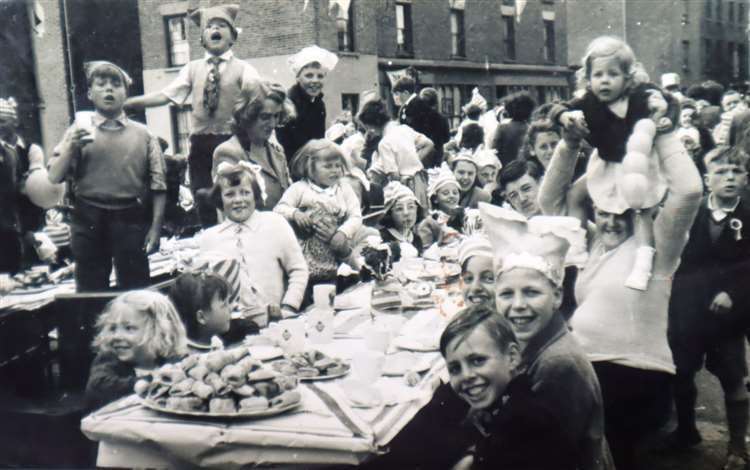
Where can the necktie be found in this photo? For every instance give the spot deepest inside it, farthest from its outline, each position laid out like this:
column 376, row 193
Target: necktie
column 211, row 90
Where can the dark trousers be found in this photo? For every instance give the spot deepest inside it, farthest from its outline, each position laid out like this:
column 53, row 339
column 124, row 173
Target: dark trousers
column 636, row 402
column 200, row 162
column 100, row 236
column 11, row 251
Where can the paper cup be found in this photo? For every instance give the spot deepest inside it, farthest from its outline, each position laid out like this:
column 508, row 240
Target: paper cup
column 378, row 338
column 320, row 325
column 323, row 295
column 292, row 336
column 84, row 120
column 368, row 365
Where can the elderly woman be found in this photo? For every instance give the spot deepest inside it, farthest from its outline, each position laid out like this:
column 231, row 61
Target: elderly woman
column 624, row 331
column 259, row 110
column 272, row 266
column 310, row 67
column 529, row 270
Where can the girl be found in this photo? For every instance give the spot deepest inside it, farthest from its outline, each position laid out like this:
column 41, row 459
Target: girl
column 616, row 98
column 402, row 214
column 202, row 300
column 541, row 139
column 516, row 428
column 488, row 167
column 138, row 330
column 477, row 274
column 325, row 213
column 465, row 170
column 446, row 220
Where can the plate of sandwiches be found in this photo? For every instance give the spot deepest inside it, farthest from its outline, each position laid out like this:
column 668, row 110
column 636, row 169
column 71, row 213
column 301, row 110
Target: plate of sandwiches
column 311, row 366
column 219, row 384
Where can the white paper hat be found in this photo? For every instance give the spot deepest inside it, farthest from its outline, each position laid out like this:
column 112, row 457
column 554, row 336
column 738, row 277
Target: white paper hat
column 309, row 54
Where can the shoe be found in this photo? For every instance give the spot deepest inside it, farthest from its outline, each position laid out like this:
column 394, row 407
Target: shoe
column 736, row 461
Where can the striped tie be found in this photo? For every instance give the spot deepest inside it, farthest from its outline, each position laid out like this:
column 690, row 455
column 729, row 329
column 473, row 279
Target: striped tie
column 211, row 89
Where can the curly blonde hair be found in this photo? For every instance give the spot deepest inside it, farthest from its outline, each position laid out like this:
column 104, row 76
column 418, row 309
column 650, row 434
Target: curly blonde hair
column 164, row 334
column 610, row 46
column 303, row 163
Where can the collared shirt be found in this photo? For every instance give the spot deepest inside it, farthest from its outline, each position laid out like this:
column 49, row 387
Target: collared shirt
column 103, row 122
column 397, row 151
column 719, row 213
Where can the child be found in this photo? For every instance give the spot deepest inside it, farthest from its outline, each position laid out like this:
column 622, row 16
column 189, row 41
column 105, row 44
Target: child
column 214, row 82
column 709, row 303
column 477, row 273
column 118, row 182
column 202, row 300
column 465, row 170
column 617, row 97
column 446, row 217
column 138, row 330
column 517, row 429
column 400, row 150
column 402, row 214
column 488, row 167
column 318, row 196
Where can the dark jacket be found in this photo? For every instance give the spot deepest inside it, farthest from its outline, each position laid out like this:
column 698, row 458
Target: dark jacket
column 709, row 267
column 309, row 124
column 394, row 244
column 523, row 434
column 508, row 140
column 109, row 380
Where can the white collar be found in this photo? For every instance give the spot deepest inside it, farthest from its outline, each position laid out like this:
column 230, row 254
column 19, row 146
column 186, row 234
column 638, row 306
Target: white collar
column 720, row 213
column 408, row 238
column 98, row 119
column 250, row 224
column 224, row 57
column 411, row 97
column 329, row 191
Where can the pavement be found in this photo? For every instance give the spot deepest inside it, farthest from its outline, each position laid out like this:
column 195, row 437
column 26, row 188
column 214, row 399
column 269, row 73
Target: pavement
column 710, row 454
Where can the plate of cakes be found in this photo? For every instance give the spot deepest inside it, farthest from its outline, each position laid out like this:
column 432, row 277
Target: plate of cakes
column 221, row 384
column 311, row 365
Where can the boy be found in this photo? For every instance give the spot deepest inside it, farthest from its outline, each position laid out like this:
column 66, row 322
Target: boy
column 708, row 303
column 214, row 83
column 117, row 172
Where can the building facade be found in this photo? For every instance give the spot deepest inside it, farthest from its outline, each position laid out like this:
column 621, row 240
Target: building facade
column 699, row 39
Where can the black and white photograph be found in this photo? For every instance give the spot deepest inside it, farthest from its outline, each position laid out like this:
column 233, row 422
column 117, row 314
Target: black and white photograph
column 376, row 234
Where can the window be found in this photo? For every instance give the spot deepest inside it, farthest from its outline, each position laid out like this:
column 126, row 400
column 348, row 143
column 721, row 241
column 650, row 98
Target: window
column 346, row 37
column 510, row 3
column 510, row 37
column 549, row 41
column 741, row 13
column 350, row 102
column 403, row 29
column 458, row 38
column 178, row 48
column 718, row 10
column 731, row 12
column 734, row 60
column 181, row 128
column 709, row 9
column 685, row 55
column 742, row 56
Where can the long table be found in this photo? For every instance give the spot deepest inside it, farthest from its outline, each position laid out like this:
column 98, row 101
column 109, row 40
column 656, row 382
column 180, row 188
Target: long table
column 325, row 429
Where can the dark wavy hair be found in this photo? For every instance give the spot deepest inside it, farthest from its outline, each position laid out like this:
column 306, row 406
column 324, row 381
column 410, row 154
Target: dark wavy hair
column 537, row 127
column 250, row 103
column 472, row 136
column 469, row 319
column 195, row 291
column 374, row 113
column 519, row 106
column 405, row 84
column 517, row 168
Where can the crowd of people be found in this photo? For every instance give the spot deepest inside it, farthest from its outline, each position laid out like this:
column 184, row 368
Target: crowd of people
column 557, row 361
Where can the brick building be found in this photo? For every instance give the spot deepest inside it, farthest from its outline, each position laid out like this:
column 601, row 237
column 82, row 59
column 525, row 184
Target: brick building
column 699, row 39
column 454, row 45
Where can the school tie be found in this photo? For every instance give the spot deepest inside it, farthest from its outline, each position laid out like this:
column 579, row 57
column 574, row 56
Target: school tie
column 211, row 90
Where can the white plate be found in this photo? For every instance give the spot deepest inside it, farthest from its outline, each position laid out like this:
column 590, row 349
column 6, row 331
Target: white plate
column 402, row 362
column 265, row 353
column 270, row 411
column 415, row 344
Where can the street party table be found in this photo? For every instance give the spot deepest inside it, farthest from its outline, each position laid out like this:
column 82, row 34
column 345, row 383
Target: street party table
column 329, row 427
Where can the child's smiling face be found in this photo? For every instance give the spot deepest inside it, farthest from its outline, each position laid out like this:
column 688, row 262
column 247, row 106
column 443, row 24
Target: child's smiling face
column 478, row 281
column 487, row 175
column 126, row 337
column 311, row 79
column 217, row 37
column 327, row 169
column 238, row 201
column 479, row 369
column 448, row 197
column 607, row 79
column 466, row 174
column 108, row 94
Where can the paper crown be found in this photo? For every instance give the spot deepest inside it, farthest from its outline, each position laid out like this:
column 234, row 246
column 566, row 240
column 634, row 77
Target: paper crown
column 336, row 131
column 8, row 108
column 202, row 16
column 475, row 245
column 439, row 178
column 90, row 67
column 395, row 192
column 486, row 157
column 541, row 243
column 310, row 54
column 476, row 99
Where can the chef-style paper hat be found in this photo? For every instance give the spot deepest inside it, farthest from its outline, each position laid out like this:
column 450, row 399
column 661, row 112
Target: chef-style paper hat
column 202, row 16
column 440, row 178
column 310, row 54
column 90, row 67
column 486, row 157
column 541, row 243
column 395, row 192
column 476, row 99
column 475, row 245
column 8, row 108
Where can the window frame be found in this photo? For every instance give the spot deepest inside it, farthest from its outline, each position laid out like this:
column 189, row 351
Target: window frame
column 458, row 38
column 509, row 38
column 550, row 51
column 170, row 44
column 407, row 47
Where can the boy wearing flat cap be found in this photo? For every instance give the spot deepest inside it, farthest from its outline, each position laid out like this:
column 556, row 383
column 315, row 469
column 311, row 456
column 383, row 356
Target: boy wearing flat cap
column 214, row 82
column 118, row 178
